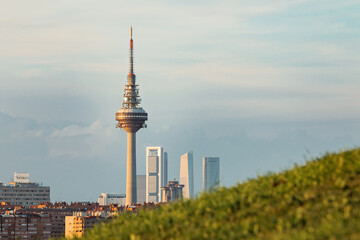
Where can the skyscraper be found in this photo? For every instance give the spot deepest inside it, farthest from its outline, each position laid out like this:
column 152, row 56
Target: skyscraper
column 156, row 173
column 165, row 169
column 187, row 175
column 211, row 172
column 141, row 188
column 131, row 117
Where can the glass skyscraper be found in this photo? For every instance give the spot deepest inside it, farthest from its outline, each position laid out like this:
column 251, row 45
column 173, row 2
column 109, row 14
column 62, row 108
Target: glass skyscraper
column 211, row 172
column 187, row 175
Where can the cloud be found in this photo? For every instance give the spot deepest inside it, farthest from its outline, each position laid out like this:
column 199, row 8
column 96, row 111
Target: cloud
column 57, row 140
column 76, row 141
column 34, row 133
column 75, row 130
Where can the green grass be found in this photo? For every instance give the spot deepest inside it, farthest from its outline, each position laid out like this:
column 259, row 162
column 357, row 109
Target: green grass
column 320, row 200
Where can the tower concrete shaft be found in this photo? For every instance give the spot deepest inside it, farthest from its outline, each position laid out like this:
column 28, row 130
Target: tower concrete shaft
column 131, row 169
column 131, row 117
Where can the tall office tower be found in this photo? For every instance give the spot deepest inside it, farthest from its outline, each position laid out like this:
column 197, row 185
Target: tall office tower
column 211, row 172
column 131, row 117
column 165, row 169
column 187, row 174
column 156, row 171
column 141, row 188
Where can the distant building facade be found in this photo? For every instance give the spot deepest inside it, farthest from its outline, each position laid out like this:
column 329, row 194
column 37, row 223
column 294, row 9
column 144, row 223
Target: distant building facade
column 112, row 198
column 57, row 212
column 187, row 174
column 25, row 226
column 156, row 173
column 211, row 172
column 76, row 225
column 172, row 191
column 141, row 188
column 23, row 192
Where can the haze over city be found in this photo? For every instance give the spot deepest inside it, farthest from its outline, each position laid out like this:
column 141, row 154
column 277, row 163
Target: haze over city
column 258, row 84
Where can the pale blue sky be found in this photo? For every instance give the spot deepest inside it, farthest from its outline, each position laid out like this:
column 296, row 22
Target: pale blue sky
column 257, row 83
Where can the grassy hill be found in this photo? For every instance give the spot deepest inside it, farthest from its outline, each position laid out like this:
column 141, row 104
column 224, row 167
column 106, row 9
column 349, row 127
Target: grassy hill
column 320, row 200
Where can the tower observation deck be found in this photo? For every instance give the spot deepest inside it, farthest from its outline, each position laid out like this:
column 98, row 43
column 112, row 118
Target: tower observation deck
column 131, row 117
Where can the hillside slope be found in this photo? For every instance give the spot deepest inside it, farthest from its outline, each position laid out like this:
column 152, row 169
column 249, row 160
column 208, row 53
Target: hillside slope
column 320, row 200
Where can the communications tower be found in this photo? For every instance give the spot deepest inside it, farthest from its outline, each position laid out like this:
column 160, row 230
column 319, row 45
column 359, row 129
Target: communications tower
column 131, row 117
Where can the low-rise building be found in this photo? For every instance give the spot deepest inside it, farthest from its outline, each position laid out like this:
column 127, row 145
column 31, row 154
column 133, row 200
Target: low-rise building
column 80, row 222
column 75, row 226
column 112, row 198
column 57, row 213
column 59, row 210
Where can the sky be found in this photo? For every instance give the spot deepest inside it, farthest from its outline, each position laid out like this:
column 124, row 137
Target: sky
column 261, row 84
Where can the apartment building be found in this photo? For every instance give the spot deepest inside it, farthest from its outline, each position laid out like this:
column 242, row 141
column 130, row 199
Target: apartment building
column 23, row 192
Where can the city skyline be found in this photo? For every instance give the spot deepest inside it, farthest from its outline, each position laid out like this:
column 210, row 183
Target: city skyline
column 259, row 84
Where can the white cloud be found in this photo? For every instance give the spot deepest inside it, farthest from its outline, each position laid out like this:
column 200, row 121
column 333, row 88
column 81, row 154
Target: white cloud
column 75, row 130
column 76, row 141
column 34, row 133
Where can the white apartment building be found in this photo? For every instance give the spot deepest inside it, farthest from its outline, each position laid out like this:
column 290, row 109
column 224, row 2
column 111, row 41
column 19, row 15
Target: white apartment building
column 156, row 173
column 211, row 172
column 23, row 192
column 187, row 175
